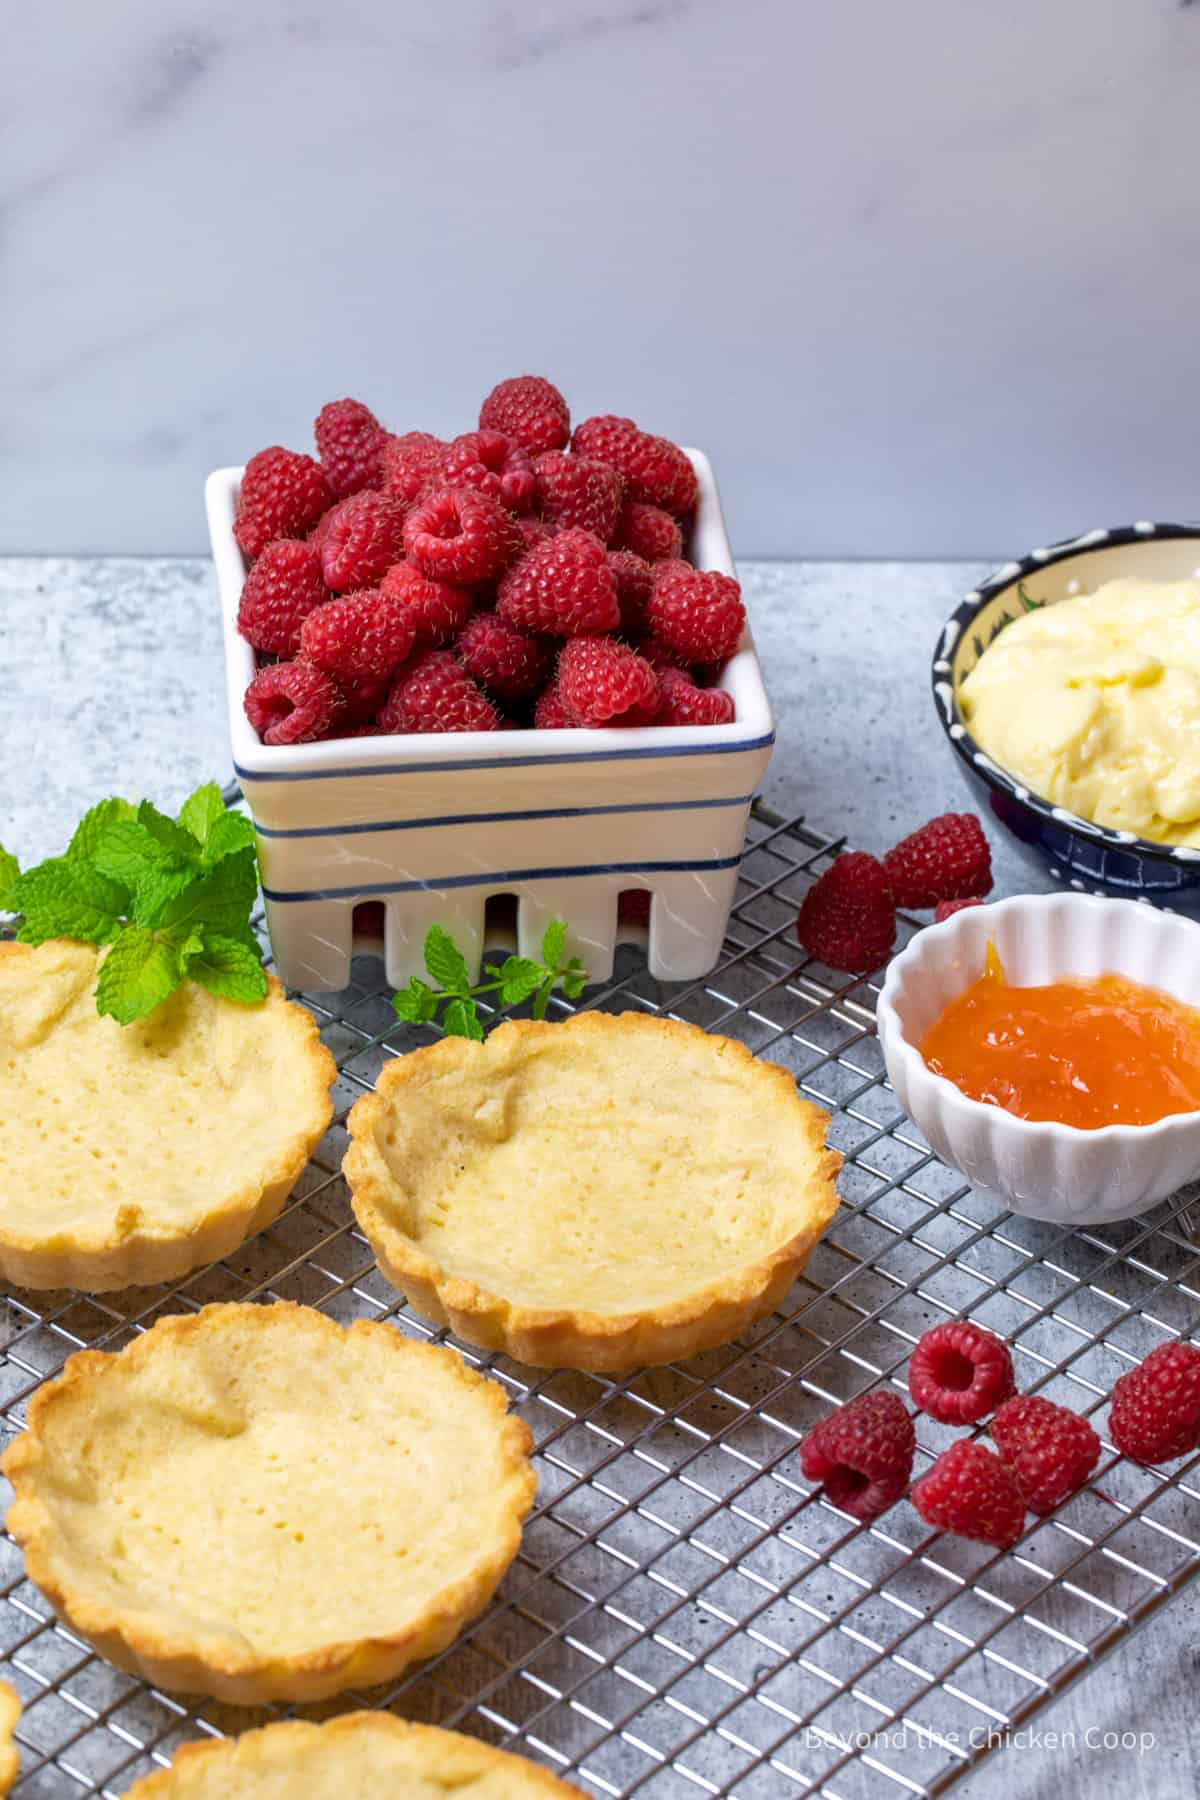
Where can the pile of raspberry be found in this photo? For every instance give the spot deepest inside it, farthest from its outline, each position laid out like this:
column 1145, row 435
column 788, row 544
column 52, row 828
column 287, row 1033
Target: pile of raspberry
column 959, row 1373
column 523, row 575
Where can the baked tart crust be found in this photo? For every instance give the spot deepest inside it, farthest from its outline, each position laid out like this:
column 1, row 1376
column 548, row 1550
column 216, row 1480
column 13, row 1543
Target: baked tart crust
column 134, row 1154
column 358, row 1756
column 601, row 1194
column 257, row 1503
column 10, row 1757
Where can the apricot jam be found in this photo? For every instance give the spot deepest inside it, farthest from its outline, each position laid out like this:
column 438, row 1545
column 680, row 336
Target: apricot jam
column 1089, row 1052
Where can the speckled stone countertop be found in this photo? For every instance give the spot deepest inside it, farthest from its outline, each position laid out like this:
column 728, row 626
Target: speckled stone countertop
column 112, row 680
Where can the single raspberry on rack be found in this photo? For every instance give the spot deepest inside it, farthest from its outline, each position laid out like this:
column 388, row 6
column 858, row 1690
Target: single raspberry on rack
column 655, row 469
column 632, row 576
column 283, row 495
column 862, row 1453
column 350, row 443
column 363, row 636
column 847, row 919
column 432, row 692
column 360, row 540
column 563, row 586
column 649, row 532
column 603, row 682
column 506, row 662
column 947, row 859
column 683, row 703
column 292, row 703
column 946, row 909
column 958, row 1372
column 438, row 609
column 970, row 1492
column 493, row 463
column 1155, row 1411
column 531, row 410
column 461, row 535
column 549, row 713
column 1050, row 1449
column 697, row 613
column 279, row 592
column 408, row 463
column 573, row 491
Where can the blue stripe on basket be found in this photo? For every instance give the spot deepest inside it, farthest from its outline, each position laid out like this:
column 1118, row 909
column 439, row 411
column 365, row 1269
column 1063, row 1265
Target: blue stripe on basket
column 497, row 818
column 564, row 758
column 504, row 879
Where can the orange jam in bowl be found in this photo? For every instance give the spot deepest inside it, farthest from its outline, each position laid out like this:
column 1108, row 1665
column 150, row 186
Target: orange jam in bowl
column 1090, row 1051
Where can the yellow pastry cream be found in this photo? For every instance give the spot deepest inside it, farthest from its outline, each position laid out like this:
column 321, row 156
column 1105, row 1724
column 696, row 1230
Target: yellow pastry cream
column 1094, row 703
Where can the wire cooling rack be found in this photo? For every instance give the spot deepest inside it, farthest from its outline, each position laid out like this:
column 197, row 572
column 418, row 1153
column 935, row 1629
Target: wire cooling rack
column 685, row 1617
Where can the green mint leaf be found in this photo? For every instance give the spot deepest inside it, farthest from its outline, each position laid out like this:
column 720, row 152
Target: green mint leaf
column 201, row 811
column 542, row 998
column 64, row 898
column 125, row 851
column 446, row 964
column 82, row 847
column 171, row 837
column 461, row 1019
column 138, row 973
column 554, row 942
column 10, row 869
column 416, row 1004
column 574, row 979
column 1027, row 599
column 218, row 899
column 232, row 832
column 518, row 977
column 225, row 966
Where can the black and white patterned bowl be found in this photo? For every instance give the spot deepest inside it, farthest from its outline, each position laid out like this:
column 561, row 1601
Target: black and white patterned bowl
column 1075, row 852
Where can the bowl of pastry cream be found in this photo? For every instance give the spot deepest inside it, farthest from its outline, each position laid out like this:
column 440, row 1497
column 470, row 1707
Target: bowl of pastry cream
column 1068, row 685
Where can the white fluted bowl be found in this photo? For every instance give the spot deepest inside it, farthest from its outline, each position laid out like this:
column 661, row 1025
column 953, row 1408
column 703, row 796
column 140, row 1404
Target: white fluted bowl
column 1042, row 1169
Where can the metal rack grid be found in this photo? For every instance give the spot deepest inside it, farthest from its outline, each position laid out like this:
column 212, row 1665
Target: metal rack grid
column 685, row 1617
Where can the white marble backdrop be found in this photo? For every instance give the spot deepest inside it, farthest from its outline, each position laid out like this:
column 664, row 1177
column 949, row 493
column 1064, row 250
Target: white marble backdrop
column 922, row 276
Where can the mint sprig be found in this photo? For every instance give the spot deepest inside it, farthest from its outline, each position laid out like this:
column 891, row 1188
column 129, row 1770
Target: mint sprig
column 171, row 897
column 516, row 979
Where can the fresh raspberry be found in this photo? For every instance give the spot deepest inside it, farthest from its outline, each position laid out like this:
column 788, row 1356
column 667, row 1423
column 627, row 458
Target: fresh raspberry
column 531, row 410
column 360, row 540
column 1050, row 1449
column 534, row 530
column 433, row 693
column 656, row 654
column 350, row 442
column 655, row 469
column 292, row 703
column 697, row 613
column 564, row 587
column 847, row 919
column 602, row 682
column 408, row 463
column 948, row 859
column 683, row 703
column 573, row 491
column 460, row 535
column 632, row 576
column 862, row 1453
column 506, row 662
column 970, row 1492
column 438, row 609
column 1155, row 1412
column 946, row 909
column 362, row 636
column 361, row 701
column 494, row 464
column 283, row 494
column 549, row 713
column 649, row 532
column 958, row 1372
column 280, row 591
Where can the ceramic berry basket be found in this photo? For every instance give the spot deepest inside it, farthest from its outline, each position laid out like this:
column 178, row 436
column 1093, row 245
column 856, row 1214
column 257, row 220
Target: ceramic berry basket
column 435, row 826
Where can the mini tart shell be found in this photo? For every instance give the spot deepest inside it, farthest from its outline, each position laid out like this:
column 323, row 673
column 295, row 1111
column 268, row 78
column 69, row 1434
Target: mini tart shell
column 130, row 1256
column 602, row 1343
column 136, row 1643
column 454, row 1760
column 10, row 1759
